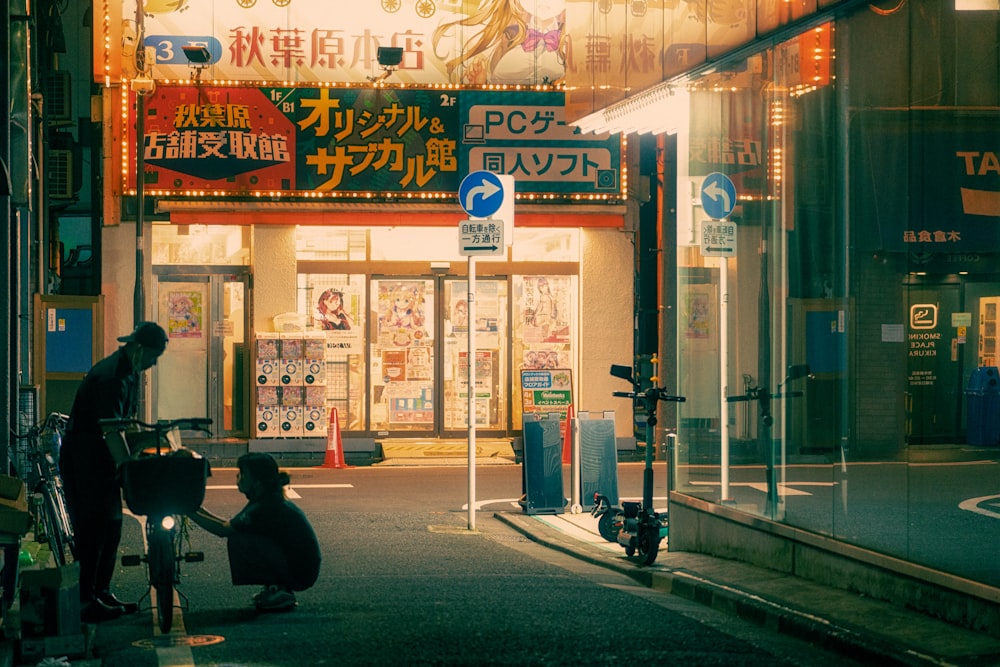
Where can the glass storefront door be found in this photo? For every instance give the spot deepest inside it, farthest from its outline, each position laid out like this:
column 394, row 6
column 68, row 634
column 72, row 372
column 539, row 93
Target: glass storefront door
column 419, row 355
column 203, row 372
column 490, row 358
column 403, row 397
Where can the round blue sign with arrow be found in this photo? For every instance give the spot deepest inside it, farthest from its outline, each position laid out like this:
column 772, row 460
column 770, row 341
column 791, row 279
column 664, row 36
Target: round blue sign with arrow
column 718, row 195
column 481, row 194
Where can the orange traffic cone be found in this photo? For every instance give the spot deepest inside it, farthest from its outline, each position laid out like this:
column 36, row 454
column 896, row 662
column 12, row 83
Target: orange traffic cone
column 568, row 437
column 334, row 444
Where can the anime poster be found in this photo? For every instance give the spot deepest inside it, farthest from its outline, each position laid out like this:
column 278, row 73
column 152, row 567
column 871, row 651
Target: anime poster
column 185, row 312
column 334, row 312
column 545, row 309
column 402, row 313
column 335, row 308
column 547, row 359
column 699, row 307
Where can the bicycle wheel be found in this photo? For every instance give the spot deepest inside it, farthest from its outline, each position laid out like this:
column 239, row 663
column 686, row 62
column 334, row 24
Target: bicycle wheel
column 162, row 567
column 53, row 531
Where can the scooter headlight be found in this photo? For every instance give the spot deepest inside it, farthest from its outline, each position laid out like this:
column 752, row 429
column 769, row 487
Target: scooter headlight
column 168, row 522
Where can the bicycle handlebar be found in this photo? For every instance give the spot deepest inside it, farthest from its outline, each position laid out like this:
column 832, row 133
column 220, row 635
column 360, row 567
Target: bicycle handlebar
column 188, row 423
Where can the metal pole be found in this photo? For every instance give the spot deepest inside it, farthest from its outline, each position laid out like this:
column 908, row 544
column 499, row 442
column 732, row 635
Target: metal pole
column 471, row 360
column 724, row 377
column 138, row 298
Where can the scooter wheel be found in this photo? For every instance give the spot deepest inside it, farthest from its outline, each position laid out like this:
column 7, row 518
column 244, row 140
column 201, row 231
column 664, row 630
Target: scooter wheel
column 649, row 543
column 608, row 526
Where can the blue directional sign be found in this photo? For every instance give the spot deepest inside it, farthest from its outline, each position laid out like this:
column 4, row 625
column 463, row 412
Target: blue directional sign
column 718, row 195
column 481, row 194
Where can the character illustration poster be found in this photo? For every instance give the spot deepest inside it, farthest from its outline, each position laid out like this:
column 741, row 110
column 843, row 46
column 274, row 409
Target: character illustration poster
column 185, row 310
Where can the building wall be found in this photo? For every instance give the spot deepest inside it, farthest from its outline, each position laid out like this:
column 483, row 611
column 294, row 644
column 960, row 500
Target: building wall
column 606, row 322
column 273, row 263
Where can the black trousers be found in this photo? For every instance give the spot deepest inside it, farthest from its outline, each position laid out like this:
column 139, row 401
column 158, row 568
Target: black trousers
column 94, row 502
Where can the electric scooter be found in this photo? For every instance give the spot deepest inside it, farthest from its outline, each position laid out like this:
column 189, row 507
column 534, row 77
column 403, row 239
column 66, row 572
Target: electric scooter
column 637, row 526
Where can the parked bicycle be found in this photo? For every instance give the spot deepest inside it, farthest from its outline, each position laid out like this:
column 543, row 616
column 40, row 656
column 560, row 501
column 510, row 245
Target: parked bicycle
column 40, row 465
column 163, row 482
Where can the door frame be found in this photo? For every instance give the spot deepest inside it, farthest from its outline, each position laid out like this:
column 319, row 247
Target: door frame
column 437, row 428
column 216, row 277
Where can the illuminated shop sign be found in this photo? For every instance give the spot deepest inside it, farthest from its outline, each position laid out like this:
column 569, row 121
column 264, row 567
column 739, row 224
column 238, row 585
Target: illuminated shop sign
column 350, row 142
column 927, row 183
column 289, row 42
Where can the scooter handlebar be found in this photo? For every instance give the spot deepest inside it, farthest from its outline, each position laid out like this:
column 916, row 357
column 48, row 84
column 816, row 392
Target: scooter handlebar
column 660, row 396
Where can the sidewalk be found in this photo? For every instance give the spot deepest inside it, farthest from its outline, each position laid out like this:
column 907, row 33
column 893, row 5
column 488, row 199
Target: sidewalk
column 861, row 628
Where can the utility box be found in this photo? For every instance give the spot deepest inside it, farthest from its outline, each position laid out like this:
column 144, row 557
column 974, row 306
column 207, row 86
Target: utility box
column 542, row 466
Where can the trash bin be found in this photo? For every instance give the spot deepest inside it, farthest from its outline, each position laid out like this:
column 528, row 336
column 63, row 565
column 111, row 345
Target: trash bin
column 983, row 407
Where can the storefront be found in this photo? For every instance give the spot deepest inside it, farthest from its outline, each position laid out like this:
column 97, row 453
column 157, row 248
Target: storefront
column 373, row 322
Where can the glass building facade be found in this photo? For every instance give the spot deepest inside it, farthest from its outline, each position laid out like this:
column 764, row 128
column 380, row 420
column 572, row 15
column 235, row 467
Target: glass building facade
column 837, row 282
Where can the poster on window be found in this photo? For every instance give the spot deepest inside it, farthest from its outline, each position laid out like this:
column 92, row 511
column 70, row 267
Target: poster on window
column 335, row 308
column 698, row 310
column 185, row 312
column 546, row 391
column 544, row 302
column 402, row 314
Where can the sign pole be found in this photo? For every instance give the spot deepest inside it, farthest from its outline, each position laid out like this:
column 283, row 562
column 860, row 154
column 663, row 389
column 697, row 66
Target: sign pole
column 724, row 372
column 471, row 362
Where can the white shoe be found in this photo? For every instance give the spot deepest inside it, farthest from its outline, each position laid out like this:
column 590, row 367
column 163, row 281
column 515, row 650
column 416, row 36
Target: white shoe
column 275, row 598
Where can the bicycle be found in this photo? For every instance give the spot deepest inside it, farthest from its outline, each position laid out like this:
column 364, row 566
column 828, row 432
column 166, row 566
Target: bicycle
column 41, row 454
column 163, row 482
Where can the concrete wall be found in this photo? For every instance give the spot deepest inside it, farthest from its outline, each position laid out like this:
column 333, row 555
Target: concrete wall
column 118, row 282
column 702, row 527
column 607, row 298
column 274, row 274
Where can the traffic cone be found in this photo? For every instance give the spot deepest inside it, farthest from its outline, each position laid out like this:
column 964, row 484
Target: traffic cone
column 334, row 444
column 568, row 437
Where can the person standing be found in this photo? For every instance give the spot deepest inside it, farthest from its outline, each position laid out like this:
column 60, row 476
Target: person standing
column 270, row 541
column 110, row 390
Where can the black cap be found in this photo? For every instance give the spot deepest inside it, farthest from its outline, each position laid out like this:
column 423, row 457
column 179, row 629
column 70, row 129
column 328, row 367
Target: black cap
column 147, row 334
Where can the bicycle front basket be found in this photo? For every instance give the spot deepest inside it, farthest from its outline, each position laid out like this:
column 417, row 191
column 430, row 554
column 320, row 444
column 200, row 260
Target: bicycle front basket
column 161, row 485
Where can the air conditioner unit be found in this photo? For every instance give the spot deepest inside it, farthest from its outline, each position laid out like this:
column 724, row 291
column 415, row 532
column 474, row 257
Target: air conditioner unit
column 59, row 168
column 58, row 97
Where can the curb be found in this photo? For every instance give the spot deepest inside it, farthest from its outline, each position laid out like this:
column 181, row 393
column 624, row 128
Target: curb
column 750, row 607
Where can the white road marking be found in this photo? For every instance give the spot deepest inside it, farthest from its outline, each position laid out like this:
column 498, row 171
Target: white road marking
column 784, row 489
column 289, row 490
column 973, row 505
